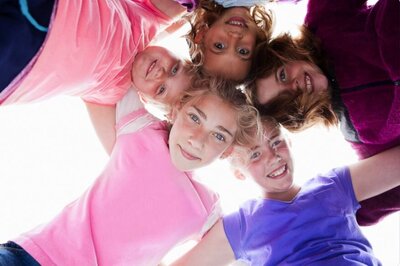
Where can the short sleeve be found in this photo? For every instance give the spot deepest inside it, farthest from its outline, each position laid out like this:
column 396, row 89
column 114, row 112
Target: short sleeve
column 233, row 231
column 214, row 216
column 344, row 185
column 131, row 114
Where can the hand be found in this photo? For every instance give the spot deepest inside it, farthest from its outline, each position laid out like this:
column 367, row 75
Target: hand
column 190, row 5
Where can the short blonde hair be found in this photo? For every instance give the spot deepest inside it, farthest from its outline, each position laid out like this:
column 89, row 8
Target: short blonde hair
column 248, row 121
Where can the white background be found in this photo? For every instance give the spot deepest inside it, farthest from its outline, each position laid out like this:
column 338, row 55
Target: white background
column 49, row 154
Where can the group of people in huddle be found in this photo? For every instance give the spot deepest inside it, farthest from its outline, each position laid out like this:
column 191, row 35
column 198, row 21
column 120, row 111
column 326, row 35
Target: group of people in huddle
column 231, row 100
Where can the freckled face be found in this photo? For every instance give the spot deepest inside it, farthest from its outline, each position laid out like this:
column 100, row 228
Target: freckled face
column 159, row 75
column 229, row 44
column 269, row 163
column 292, row 76
column 202, row 130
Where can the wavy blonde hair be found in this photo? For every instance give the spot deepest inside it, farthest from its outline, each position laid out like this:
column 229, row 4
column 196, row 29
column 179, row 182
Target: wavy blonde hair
column 247, row 118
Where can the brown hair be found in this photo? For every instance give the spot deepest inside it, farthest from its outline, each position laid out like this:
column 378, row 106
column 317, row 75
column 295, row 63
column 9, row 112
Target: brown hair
column 248, row 121
column 295, row 110
column 208, row 12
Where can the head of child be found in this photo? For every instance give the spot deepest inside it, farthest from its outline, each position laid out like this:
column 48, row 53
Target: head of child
column 267, row 162
column 223, row 40
column 211, row 117
column 160, row 77
column 289, row 83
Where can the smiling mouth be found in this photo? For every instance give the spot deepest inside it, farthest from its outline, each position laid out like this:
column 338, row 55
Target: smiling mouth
column 151, row 67
column 187, row 155
column 278, row 173
column 308, row 83
column 237, row 22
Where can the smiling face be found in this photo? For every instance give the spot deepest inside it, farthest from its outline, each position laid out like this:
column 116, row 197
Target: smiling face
column 291, row 76
column 229, row 44
column 202, row 131
column 269, row 164
column 159, row 75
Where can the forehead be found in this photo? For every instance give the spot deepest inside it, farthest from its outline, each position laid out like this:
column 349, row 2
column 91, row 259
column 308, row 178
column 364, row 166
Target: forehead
column 227, row 65
column 217, row 111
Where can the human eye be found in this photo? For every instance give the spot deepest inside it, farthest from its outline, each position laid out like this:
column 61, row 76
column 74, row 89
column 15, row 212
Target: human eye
column 175, row 69
column 194, row 118
column 219, row 137
column 275, row 142
column 254, row 155
column 282, row 74
column 219, row 45
column 161, row 90
column 243, row 51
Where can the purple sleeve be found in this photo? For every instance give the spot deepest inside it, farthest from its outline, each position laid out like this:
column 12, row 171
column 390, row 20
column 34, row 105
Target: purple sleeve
column 232, row 227
column 345, row 186
column 190, row 5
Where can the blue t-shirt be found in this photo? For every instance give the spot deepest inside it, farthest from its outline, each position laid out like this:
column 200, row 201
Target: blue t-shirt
column 318, row 227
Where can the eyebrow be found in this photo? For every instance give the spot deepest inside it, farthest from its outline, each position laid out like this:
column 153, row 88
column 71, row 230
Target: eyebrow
column 203, row 115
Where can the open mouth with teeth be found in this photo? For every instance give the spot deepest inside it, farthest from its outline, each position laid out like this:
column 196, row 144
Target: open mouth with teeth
column 237, row 21
column 278, row 173
column 308, row 83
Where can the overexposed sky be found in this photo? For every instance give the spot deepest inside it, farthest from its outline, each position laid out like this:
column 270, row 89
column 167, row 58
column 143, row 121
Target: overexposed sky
column 49, row 154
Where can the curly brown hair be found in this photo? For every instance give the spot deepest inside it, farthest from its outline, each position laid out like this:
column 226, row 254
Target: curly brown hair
column 295, row 110
column 205, row 16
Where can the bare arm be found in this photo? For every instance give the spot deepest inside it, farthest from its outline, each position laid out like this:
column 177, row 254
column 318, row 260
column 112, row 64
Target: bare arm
column 103, row 120
column 213, row 249
column 169, row 7
column 377, row 174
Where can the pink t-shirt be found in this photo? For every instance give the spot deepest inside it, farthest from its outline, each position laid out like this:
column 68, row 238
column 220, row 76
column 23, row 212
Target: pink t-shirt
column 139, row 208
column 88, row 51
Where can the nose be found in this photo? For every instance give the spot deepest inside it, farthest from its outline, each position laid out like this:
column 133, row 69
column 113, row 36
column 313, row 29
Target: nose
column 271, row 156
column 235, row 34
column 197, row 140
column 159, row 73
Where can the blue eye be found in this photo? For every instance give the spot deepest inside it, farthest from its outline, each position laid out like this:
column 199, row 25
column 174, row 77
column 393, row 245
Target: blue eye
column 194, row 118
column 219, row 137
column 255, row 155
column 175, row 69
column 219, row 45
column 276, row 143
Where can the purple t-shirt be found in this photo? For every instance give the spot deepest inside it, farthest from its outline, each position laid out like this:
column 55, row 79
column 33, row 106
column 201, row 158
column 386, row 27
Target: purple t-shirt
column 317, row 227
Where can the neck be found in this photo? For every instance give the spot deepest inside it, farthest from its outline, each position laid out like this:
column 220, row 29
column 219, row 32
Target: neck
column 288, row 195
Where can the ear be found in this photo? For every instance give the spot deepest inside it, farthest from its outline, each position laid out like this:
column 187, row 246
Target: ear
column 227, row 152
column 200, row 34
column 173, row 113
column 238, row 174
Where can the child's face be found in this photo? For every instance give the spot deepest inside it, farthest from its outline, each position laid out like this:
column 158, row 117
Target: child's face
column 293, row 75
column 229, row 44
column 203, row 129
column 159, row 75
column 268, row 163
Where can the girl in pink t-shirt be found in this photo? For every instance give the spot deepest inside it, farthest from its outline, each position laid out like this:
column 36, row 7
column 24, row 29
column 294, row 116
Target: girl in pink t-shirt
column 145, row 201
column 88, row 50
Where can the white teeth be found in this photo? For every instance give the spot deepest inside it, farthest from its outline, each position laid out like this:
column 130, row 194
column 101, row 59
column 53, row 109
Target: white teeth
column 307, row 80
column 236, row 23
column 278, row 172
